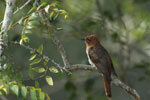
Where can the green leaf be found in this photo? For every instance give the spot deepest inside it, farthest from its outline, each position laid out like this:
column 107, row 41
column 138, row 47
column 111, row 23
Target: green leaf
column 43, row 4
column 34, row 23
column 36, row 61
column 45, row 62
column 15, row 89
column 38, row 69
column 41, row 96
column 32, row 51
column 58, row 29
column 53, row 69
column 66, row 16
column 34, row 16
column 24, row 91
column 55, row 9
column 46, row 59
column 32, row 57
column 49, row 80
column 30, row 27
column 56, row 16
column 24, row 38
column 40, row 49
column 21, row 42
column 51, row 15
column 21, row 21
column 37, row 85
column 4, row 90
column 33, row 94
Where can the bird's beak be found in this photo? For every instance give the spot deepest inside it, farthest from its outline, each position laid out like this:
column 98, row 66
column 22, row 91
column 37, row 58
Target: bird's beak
column 82, row 39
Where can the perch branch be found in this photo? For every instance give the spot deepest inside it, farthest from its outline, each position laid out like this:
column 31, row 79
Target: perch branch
column 115, row 80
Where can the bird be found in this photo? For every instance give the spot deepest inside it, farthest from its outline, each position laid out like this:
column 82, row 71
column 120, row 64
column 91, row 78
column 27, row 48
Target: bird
column 100, row 58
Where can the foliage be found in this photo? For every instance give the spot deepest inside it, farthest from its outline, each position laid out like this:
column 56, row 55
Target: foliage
column 10, row 82
column 23, row 91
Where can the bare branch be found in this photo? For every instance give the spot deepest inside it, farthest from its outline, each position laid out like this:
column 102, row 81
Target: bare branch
column 26, row 3
column 115, row 80
column 6, row 23
column 61, row 50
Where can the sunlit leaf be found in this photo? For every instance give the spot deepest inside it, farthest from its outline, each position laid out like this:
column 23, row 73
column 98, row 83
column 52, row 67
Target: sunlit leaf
column 53, row 69
column 40, row 49
column 49, row 80
column 47, row 8
column 38, row 69
column 21, row 42
column 66, row 16
column 36, row 61
column 15, row 89
column 34, row 16
column 51, row 15
column 32, row 51
column 41, row 96
column 26, row 39
column 5, row 90
column 30, row 26
column 32, row 57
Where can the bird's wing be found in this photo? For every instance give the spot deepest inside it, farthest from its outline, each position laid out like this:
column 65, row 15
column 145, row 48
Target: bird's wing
column 100, row 58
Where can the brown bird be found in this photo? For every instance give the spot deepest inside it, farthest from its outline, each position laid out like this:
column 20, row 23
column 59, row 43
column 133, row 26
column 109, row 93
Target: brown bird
column 99, row 57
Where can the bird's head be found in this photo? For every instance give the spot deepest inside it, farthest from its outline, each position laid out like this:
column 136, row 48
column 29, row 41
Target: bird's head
column 91, row 40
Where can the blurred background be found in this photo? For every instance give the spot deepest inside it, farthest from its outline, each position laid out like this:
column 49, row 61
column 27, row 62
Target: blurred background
column 123, row 27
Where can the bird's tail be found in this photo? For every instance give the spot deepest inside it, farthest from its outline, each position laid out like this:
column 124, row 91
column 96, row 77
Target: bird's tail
column 107, row 86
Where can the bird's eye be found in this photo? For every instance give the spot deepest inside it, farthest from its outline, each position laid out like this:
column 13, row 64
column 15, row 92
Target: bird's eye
column 89, row 40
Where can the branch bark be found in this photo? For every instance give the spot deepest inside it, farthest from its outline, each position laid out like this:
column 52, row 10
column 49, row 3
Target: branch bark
column 115, row 80
column 6, row 23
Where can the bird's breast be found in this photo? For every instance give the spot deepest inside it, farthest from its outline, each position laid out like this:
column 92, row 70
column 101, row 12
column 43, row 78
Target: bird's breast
column 87, row 52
